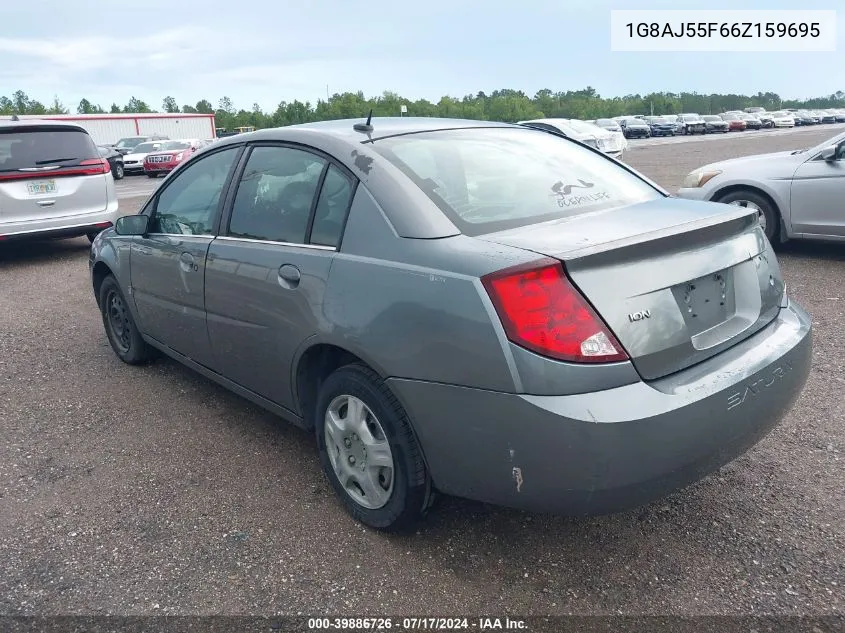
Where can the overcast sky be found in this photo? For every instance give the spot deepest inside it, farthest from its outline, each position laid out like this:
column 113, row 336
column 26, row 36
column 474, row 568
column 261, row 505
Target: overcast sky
column 266, row 51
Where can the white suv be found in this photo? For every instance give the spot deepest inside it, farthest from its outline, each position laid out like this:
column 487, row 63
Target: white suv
column 53, row 182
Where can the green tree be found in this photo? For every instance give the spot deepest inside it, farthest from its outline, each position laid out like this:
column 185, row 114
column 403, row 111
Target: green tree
column 115, row 109
column 21, row 102
column 204, row 107
column 169, row 104
column 57, row 107
column 136, row 106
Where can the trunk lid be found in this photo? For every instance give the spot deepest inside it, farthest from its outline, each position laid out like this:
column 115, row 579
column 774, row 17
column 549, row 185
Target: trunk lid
column 45, row 173
column 676, row 281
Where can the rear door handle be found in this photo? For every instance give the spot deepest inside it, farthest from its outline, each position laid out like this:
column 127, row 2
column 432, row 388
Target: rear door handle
column 186, row 263
column 289, row 276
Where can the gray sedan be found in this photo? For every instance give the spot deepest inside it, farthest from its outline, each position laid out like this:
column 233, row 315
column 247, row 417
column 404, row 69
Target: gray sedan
column 485, row 310
column 798, row 194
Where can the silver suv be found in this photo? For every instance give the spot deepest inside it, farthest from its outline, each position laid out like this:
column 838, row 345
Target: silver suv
column 53, row 182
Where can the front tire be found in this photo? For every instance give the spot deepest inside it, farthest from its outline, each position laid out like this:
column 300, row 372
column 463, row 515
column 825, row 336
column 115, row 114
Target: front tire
column 118, row 172
column 123, row 335
column 368, row 450
column 152, row 175
column 769, row 215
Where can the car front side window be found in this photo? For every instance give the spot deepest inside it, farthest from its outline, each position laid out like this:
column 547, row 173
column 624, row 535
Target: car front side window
column 188, row 205
column 275, row 195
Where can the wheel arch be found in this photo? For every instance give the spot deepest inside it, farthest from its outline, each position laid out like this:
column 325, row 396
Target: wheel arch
column 717, row 195
column 99, row 272
column 316, row 360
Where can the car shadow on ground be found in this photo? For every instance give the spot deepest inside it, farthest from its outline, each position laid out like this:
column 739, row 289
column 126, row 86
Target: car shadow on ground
column 34, row 251
column 807, row 249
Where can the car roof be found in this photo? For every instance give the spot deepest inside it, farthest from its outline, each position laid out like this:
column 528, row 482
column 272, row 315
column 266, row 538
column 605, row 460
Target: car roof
column 382, row 127
column 9, row 124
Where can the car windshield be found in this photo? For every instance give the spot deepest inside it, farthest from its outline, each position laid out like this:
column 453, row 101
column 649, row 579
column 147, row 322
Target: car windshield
column 128, row 143
column 146, row 148
column 25, row 147
column 711, row 117
column 486, row 180
column 171, row 145
column 691, row 117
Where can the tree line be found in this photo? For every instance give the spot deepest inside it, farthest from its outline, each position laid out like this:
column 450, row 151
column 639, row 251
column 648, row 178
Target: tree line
column 500, row 105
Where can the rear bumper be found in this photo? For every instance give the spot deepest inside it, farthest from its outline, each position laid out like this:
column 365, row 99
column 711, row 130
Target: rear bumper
column 607, row 451
column 66, row 226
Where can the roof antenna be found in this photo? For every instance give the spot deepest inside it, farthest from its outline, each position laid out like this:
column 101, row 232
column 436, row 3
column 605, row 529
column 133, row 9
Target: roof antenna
column 364, row 127
column 15, row 117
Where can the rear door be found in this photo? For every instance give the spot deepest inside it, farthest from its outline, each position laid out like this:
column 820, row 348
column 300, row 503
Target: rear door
column 168, row 264
column 49, row 171
column 267, row 272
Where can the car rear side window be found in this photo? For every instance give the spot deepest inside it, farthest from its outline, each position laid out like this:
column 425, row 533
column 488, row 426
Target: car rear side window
column 275, row 195
column 332, row 207
column 188, row 204
column 490, row 179
column 28, row 147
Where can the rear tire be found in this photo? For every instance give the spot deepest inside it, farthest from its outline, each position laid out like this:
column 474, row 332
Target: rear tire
column 152, row 175
column 123, row 335
column 769, row 214
column 118, row 172
column 387, row 498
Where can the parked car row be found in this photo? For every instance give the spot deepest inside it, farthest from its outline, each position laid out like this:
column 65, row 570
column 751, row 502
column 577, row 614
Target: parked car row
column 608, row 139
column 755, row 118
column 157, row 157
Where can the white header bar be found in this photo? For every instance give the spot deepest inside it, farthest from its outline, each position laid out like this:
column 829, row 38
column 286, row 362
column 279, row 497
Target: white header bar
column 723, row 31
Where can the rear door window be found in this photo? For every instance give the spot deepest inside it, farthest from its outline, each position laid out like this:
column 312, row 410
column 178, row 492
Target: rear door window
column 25, row 148
column 276, row 194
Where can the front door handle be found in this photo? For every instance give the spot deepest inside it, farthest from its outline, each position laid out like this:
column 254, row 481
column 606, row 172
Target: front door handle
column 289, row 276
column 186, row 263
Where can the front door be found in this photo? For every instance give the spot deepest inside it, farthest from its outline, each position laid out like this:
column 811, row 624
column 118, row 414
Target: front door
column 168, row 265
column 268, row 270
column 818, row 196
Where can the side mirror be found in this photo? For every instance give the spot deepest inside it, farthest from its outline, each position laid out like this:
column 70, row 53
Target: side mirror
column 829, row 153
column 132, row 225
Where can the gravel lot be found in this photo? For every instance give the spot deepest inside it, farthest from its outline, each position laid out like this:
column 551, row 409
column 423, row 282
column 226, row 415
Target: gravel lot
column 152, row 491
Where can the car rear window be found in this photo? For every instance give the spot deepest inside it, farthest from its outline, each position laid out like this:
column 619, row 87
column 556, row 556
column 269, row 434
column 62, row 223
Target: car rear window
column 26, row 147
column 491, row 179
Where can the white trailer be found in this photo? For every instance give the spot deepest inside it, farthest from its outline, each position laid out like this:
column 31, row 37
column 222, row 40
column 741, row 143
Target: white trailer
column 108, row 129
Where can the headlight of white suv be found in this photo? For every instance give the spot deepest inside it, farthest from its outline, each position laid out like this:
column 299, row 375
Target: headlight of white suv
column 699, row 178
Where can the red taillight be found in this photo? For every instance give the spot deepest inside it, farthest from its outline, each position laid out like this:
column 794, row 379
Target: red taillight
column 92, row 167
column 542, row 311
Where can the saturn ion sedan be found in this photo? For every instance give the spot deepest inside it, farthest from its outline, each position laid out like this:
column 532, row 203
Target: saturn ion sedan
column 484, row 310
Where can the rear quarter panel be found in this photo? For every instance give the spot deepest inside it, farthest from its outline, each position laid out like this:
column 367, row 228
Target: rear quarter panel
column 416, row 308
